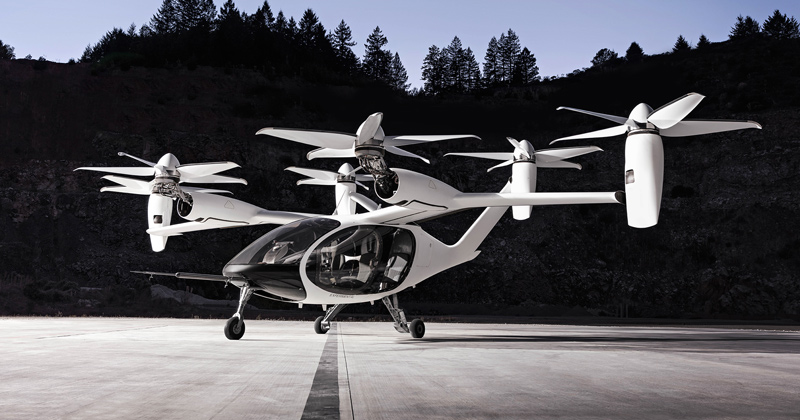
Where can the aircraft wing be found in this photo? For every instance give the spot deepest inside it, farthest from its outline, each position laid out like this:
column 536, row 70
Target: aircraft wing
column 416, row 212
column 238, row 282
column 471, row 200
column 264, row 217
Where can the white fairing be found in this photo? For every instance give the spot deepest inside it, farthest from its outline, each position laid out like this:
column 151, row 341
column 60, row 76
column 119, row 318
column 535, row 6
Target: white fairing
column 210, row 206
column 523, row 180
column 159, row 214
column 644, row 177
column 418, row 190
column 344, row 205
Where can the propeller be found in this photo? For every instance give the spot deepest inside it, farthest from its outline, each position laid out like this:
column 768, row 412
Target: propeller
column 667, row 121
column 345, row 181
column 644, row 150
column 167, row 173
column 524, row 152
column 525, row 161
column 369, row 138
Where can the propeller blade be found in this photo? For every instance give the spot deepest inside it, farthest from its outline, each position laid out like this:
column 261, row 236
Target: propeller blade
column 127, row 170
column 559, row 164
column 513, row 142
column 314, row 173
column 146, row 162
column 673, row 112
column 126, row 190
column 364, row 201
column 134, row 184
column 406, row 140
column 698, row 127
column 197, row 170
column 364, row 178
column 485, row 155
column 330, row 139
column 313, row 181
column 215, row 179
column 616, row 119
column 401, row 152
column 606, row 132
column 205, row 190
column 506, row 163
column 552, row 155
column 331, row 153
column 367, row 130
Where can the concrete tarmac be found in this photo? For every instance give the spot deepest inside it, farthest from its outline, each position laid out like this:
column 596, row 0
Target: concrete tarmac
column 124, row 368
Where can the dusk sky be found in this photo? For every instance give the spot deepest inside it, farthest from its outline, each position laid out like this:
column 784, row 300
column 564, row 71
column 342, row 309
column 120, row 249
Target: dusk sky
column 563, row 35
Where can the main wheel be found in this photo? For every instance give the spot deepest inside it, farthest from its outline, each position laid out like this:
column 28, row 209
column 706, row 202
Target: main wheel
column 319, row 328
column 417, row 328
column 234, row 330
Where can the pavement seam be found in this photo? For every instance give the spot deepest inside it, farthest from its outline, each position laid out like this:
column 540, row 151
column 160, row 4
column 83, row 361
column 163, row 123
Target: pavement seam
column 347, row 375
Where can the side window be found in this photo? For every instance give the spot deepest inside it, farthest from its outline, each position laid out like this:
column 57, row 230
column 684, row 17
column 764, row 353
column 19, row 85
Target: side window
column 362, row 260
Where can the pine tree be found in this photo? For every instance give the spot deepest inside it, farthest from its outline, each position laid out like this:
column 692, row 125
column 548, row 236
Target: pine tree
column 281, row 25
column 604, row 58
column 165, row 21
column 634, row 54
column 525, row 69
column 456, row 72
column 264, row 15
column 376, row 60
column 744, row 28
column 6, row 51
column 195, row 14
column 491, row 63
column 509, row 48
column 703, row 42
column 681, row 45
column 779, row 26
column 398, row 77
column 342, row 40
column 309, row 30
column 473, row 71
column 433, row 71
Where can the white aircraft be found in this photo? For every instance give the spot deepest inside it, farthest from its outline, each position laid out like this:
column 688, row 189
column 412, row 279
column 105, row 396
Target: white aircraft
column 348, row 257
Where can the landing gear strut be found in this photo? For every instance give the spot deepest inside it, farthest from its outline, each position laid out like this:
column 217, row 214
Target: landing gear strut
column 323, row 324
column 234, row 328
column 416, row 328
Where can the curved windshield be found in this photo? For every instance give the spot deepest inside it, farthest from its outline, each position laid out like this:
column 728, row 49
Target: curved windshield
column 361, row 260
column 286, row 244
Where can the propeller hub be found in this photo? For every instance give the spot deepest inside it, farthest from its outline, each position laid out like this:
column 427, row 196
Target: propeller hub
column 639, row 114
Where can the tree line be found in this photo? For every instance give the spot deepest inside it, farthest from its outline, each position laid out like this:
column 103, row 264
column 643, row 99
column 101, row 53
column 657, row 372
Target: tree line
column 777, row 27
column 193, row 32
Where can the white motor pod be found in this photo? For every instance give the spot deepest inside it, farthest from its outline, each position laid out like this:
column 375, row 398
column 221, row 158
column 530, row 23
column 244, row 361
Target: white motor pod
column 210, row 206
column 159, row 214
column 523, row 181
column 415, row 190
column 644, row 178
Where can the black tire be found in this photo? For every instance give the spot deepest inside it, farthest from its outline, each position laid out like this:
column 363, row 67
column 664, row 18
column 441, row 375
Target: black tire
column 319, row 328
column 232, row 329
column 417, row 328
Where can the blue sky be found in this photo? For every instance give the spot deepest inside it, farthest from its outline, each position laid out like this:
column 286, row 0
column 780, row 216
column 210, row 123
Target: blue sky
column 563, row 35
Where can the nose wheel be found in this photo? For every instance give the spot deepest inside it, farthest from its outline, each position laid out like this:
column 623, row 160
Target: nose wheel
column 234, row 328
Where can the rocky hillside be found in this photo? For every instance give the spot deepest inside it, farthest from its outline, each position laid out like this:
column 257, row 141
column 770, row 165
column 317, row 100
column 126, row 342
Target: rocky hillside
column 726, row 244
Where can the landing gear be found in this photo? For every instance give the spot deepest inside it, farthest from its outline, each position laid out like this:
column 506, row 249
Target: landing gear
column 234, row 328
column 323, row 324
column 417, row 327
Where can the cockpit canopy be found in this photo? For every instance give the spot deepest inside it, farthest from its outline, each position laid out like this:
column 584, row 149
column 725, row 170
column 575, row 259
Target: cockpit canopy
column 362, row 260
column 352, row 261
column 285, row 245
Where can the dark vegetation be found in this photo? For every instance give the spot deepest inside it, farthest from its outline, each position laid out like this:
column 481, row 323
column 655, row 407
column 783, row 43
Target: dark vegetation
column 726, row 245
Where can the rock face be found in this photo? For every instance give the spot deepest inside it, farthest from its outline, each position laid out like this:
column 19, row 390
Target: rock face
column 726, row 244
